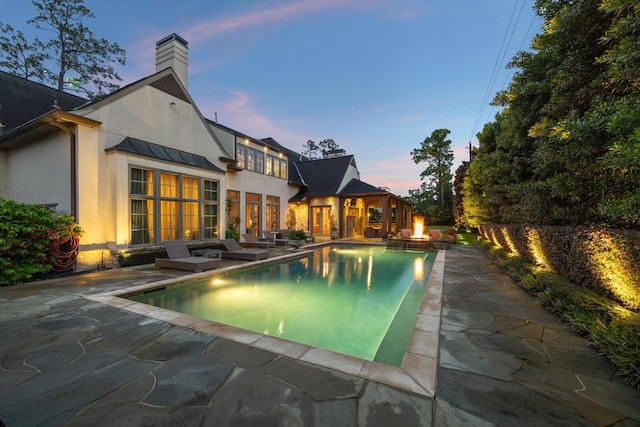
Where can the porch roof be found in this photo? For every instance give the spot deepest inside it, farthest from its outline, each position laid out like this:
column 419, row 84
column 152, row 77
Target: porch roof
column 357, row 187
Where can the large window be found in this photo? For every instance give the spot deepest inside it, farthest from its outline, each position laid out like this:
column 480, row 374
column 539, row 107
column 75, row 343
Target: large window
column 172, row 207
column 276, row 167
column 253, row 206
column 273, row 213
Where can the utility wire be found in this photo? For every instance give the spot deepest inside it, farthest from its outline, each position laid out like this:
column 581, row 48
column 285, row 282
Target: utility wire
column 500, row 63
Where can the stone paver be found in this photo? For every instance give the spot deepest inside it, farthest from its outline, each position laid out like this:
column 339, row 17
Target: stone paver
column 503, row 361
column 506, row 360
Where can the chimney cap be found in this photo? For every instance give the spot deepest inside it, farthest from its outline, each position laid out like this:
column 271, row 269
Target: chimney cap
column 171, row 38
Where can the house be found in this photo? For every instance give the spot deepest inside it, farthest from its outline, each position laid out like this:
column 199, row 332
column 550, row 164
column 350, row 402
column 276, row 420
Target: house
column 257, row 181
column 137, row 167
column 339, row 204
column 143, row 165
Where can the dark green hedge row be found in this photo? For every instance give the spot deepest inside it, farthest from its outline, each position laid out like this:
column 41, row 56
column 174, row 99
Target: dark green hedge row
column 601, row 259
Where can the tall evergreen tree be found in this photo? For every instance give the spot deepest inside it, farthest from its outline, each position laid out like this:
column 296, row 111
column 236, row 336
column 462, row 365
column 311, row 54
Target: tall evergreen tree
column 73, row 59
column 436, row 152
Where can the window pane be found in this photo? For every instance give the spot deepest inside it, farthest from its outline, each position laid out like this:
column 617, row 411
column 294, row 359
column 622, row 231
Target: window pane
column 210, row 221
column 253, row 222
column 190, row 188
column 276, row 168
column 270, row 164
column 141, row 222
column 283, row 169
column 259, row 162
column 141, row 182
column 273, row 213
column 190, row 221
column 240, row 155
column 251, row 159
column 168, row 185
column 211, row 191
column 168, row 220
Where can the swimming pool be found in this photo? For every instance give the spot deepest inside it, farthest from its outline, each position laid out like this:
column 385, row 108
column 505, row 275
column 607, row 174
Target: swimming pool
column 351, row 299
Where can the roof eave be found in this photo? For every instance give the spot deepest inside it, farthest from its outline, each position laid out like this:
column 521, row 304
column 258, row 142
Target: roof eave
column 41, row 127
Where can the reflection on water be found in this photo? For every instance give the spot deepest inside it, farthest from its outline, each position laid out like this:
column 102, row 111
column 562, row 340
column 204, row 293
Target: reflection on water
column 340, row 298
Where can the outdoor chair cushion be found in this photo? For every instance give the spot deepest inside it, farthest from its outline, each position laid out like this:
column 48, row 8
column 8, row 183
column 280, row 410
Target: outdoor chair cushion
column 234, row 250
column 181, row 259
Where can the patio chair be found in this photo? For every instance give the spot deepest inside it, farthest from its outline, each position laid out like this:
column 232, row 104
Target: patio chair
column 435, row 234
column 235, row 251
column 270, row 237
column 252, row 241
column 181, row 259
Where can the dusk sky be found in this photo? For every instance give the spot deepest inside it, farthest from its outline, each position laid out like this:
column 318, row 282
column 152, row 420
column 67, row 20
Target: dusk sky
column 375, row 76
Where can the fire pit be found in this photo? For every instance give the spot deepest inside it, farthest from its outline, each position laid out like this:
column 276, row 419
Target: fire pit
column 416, row 241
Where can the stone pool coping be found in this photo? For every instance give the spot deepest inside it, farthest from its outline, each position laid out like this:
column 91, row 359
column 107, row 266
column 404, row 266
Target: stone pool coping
column 417, row 372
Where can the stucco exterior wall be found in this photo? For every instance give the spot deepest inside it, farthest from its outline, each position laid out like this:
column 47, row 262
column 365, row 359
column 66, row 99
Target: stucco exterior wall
column 247, row 181
column 39, row 173
column 154, row 116
column 103, row 178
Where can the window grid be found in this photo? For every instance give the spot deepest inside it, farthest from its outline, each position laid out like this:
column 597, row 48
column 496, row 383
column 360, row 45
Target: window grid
column 273, row 213
column 177, row 211
column 253, row 221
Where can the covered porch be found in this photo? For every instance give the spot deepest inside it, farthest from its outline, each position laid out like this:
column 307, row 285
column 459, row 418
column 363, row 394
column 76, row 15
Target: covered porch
column 373, row 215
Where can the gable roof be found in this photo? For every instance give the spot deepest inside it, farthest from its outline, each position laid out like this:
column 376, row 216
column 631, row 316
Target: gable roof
column 318, row 181
column 22, row 101
column 160, row 152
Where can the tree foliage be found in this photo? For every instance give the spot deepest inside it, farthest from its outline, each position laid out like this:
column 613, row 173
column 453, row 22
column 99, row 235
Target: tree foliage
column 565, row 150
column 320, row 150
column 73, row 59
column 435, row 151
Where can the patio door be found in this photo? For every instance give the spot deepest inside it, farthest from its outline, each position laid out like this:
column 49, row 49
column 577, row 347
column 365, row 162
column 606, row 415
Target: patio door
column 321, row 220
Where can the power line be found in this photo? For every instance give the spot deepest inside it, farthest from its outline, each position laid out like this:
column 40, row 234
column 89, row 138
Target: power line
column 500, row 63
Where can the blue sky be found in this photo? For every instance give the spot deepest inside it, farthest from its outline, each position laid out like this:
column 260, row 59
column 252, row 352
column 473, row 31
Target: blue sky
column 375, row 76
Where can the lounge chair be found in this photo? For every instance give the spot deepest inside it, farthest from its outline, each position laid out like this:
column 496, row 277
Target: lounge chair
column 270, row 237
column 252, row 241
column 181, row 259
column 234, row 250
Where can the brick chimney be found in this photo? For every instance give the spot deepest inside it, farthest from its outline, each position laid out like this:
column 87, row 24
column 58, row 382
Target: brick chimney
column 173, row 51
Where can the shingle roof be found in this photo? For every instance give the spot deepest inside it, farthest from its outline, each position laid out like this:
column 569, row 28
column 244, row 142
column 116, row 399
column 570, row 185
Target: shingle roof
column 355, row 186
column 160, row 152
column 22, row 100
column 322, row 177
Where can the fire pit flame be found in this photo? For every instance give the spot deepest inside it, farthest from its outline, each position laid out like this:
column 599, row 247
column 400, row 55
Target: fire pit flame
column 418, row 227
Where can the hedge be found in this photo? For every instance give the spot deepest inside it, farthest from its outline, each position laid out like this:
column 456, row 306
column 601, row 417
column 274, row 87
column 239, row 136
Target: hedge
column 604, row 260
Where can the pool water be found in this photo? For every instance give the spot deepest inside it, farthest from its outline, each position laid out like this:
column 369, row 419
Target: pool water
column 357, row 300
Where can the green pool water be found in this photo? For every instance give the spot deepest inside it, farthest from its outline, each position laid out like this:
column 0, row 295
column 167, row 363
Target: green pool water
column 356, row 300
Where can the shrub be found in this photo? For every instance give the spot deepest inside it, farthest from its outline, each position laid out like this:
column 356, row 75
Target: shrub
column 297, row 235
column 604, row 260
column 27, row 233
column 140, row 258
